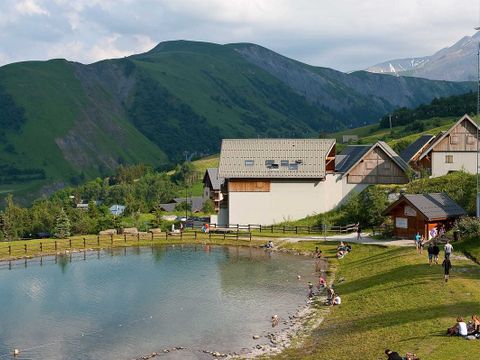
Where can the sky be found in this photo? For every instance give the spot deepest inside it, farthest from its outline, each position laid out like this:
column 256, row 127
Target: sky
column 342, row 34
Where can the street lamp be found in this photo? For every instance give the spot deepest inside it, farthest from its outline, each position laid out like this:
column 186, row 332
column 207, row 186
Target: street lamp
column 478, row 113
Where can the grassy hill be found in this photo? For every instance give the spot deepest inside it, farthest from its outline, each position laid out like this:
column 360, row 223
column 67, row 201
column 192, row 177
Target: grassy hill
column 64, row 122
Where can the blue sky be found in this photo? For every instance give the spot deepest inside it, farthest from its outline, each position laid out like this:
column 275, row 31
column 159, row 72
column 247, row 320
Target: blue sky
column 341, row 34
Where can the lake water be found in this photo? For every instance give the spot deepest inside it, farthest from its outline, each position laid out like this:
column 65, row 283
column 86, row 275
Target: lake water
column 126, row 303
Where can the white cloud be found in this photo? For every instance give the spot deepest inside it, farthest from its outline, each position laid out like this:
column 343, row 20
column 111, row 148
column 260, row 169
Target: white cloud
column 344, row 34
column 30, row 7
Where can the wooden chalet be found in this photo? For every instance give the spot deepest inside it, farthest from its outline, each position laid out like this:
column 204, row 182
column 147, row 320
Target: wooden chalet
column 451, row 150
column 413, row 213
column 372, row 164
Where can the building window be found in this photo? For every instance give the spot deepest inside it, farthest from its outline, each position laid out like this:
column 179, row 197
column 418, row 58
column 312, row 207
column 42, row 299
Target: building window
column 454, row 139
column 370, row 164
column 449, row 159
column 249, row 162
column 283, row 162
column 470, row 139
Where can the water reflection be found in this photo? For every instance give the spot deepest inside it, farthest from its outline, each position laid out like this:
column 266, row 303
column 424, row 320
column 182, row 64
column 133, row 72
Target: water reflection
column 122, row 303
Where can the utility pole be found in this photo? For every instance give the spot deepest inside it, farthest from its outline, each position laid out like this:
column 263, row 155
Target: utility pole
column 478, row 113
column 390, row 120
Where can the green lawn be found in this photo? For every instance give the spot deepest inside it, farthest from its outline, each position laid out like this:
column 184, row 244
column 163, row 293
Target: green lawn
column 393, row 299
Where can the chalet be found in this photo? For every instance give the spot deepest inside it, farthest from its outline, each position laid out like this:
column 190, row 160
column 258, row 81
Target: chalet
column 413, row 151
column 452, row 150
column 372, row 164
column 413, row 213
column 213, row 187
column 265, row 181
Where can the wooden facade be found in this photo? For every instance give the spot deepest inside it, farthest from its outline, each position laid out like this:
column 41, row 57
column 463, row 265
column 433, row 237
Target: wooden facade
column 249, row 185
column 407, row 221
column 462, row 137
column 376, row 167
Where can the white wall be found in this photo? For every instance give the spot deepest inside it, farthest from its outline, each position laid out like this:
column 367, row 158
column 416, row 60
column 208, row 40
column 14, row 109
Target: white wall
column 461, row 160
column 289, row 200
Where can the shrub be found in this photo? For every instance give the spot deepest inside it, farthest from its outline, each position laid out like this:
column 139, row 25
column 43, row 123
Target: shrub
column 468, row 226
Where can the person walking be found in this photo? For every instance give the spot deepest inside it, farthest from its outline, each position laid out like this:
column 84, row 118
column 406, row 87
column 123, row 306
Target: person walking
column 430, row 253
column 359, row 231
column 447, row 265
column 436, row 252
column 417, row 241
column 448, row 249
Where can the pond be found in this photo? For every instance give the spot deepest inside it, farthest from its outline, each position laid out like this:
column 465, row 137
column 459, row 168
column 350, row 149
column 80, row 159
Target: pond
column 125, row 303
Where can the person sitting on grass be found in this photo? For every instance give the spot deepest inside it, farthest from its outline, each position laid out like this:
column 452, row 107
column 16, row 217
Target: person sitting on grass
column 341, row 254
column 460, row 328
column 318, row 253
column 330, row 296
column 392, row 355
column 337, row 300
column 321, row 283
column 475, row 323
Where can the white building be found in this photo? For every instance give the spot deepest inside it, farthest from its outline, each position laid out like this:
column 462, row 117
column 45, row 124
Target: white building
column 451, row 150
column 267, row 181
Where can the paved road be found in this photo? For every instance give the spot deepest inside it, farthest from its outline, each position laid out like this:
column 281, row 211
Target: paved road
column 351, row 238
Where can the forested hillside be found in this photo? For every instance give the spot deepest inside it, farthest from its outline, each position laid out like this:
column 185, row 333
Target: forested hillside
column 64, row 123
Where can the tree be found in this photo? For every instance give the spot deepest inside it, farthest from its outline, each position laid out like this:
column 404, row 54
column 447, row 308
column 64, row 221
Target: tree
column 62, row 229
column 6, row 233
column 208, row 207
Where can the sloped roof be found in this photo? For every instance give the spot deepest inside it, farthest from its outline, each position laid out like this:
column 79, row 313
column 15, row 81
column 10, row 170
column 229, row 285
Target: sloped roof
column 411, row 150
column 433, row 206
column 215, row 180
column 347, row 163
column 442, row 136
column 274, row 158
column 349, row 157
column 196, row 202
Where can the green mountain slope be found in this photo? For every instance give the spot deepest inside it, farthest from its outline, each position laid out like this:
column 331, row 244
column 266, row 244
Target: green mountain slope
column 63, row 122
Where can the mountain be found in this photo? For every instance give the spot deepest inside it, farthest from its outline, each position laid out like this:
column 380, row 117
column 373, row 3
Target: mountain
column 455, row 63
column 64, row 122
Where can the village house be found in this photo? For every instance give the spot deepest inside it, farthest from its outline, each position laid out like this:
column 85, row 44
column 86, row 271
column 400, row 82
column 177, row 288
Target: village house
column 266, row 181
column 451, row 150
column 413, row 213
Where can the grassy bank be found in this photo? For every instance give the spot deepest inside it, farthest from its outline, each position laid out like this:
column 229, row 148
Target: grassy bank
column 393, row 299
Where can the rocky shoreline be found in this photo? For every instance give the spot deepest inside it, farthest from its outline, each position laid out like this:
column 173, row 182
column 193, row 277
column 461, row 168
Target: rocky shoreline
column 298, row 326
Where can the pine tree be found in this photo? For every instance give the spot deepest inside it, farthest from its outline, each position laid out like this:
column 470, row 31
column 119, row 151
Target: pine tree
column 62, row 229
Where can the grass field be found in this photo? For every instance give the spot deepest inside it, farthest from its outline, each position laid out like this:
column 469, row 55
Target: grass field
column 392, row 299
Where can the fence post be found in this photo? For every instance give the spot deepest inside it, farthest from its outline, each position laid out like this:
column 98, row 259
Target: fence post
column 25, row 248
column 296, row 230
column 55, row 245
column 248, row 227
column 125, row 238
column 84, row 242
column 271, row 228
column 225, row 235
column 98, row 240
column 181, row 235
column 260, row 227
column 166, row 235
column 195, row 234
column 284, row 229
column 152, row 236
column 250, row 236
column 308, row 228
column 41, row 247
column 10, row 249
column 237, row 235
column 70, row 243
column 138, row 237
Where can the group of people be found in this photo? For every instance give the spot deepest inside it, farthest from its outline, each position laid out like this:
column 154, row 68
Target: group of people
column 343, row 249
column 470, row 330
column 393, row 355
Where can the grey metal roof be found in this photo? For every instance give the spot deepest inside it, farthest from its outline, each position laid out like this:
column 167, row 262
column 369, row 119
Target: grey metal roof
column 196, row 202
column 274, row 158
column 349, row 157
column 411, row 150
column 433, row 206
column 444, row 134
column 215, row 180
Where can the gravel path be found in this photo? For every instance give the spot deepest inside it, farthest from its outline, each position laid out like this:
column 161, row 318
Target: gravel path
column 351, row 238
